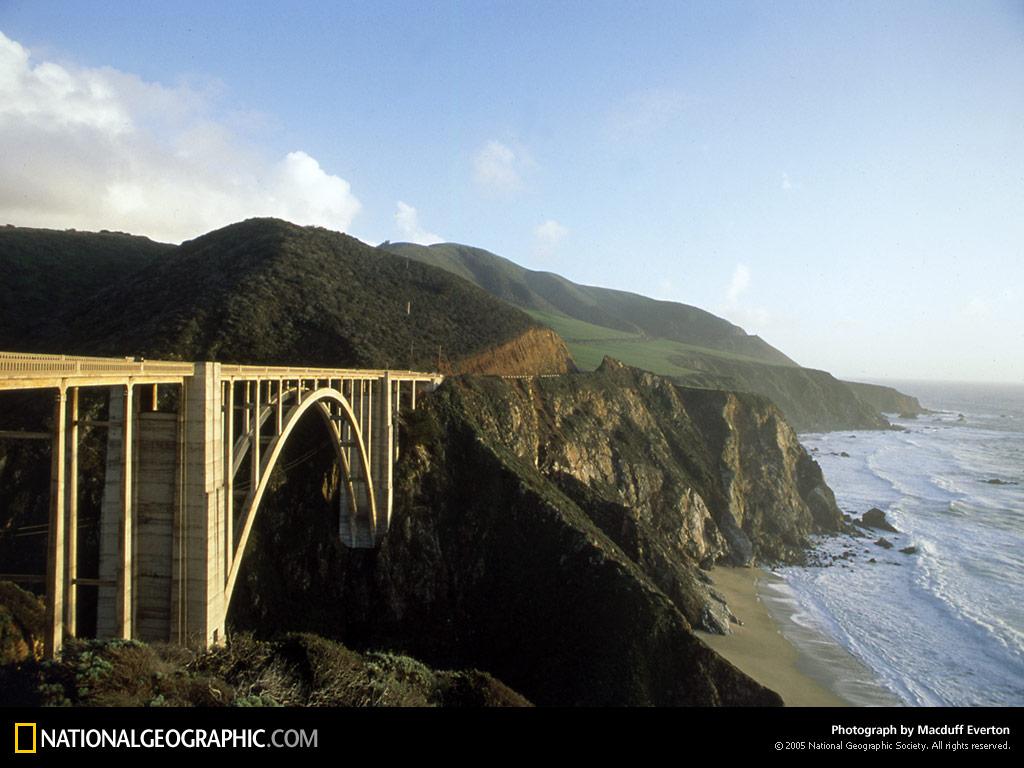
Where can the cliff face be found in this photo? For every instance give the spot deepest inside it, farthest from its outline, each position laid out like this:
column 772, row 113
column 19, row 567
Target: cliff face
column 550, row 531
column 720, row 473
column 812, row 401
column 535, row 351
column 886, row 399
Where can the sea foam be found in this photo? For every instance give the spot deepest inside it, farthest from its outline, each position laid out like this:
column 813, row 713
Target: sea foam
column 944, row 625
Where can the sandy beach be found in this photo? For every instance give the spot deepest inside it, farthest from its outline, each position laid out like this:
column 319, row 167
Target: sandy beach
column 759, row 648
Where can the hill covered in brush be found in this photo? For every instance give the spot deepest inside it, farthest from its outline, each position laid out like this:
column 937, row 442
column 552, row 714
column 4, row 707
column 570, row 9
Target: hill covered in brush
column 693, row 346
column 47, row 272
column 261, row 291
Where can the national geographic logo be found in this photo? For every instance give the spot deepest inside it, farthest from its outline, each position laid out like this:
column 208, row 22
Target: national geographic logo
column 28, row 738
column 24, row 738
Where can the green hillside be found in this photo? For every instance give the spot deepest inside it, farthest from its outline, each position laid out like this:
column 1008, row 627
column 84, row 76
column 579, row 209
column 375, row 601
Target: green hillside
column 260, row 291
column 617, row 310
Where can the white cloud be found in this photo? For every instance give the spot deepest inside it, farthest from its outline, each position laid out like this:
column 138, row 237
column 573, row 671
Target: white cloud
column 499, row 168
column 738, row 284
column 751, row 319
column 407, row 219
column 96, row 148
column 547, row 236
column 788, row 184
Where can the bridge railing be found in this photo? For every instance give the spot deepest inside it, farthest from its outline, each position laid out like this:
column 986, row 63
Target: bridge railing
column 294, row 372
column 27, row 364
column 22, row 364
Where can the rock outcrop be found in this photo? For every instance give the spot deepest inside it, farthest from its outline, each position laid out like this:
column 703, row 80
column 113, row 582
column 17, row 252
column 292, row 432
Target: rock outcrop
column 887, row 399
column 535, row 351
column 875, row 518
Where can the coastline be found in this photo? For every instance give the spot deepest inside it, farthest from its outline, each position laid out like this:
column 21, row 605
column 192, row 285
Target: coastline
column 776, row 649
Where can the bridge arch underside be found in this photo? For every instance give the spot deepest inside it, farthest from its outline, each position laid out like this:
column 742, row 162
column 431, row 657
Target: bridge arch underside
column 352, row 495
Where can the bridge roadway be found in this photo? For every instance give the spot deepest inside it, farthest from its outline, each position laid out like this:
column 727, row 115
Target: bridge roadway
column 190, row 451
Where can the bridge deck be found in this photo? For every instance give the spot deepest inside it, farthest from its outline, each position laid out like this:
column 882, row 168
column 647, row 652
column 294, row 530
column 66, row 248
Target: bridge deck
column 20, row 370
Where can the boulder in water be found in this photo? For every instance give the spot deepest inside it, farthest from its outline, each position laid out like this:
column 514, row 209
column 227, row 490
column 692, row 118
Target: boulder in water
column 875, row 518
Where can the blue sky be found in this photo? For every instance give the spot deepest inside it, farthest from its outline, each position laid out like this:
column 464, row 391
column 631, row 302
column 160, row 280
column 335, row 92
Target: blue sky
column 845, row 179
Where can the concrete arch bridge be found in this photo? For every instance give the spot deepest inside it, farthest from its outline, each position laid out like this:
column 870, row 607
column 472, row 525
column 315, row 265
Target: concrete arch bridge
column 182, row 488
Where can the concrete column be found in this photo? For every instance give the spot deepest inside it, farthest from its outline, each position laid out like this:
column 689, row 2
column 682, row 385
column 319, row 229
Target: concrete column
column 199, row 578
column 383, row 449
column 71, row 588
column 229, row 475
column 54, row 636
column 254, row 448
column 123, row 605
column 280, row 406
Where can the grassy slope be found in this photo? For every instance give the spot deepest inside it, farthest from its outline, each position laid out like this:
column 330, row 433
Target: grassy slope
column 617, row 310
column 590, row 343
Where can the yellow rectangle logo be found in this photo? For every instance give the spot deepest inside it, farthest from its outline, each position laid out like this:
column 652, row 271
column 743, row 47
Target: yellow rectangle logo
column 19, row 730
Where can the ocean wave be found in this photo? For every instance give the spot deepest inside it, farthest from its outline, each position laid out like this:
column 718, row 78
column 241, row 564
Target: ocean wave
column 946, row 625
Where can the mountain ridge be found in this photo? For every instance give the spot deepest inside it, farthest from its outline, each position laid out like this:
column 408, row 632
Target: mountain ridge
column 691, row 345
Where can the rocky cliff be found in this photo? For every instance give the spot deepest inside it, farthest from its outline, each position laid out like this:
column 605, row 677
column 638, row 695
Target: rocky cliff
column 551, row 531
column 536, row 350
column 886, row 399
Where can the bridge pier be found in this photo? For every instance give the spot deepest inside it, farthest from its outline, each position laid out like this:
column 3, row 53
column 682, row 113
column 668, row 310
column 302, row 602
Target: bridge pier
column 197, row 584
column 56, row 542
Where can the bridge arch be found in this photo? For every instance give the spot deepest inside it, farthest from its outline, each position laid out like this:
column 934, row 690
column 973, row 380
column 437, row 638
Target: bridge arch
column 321, row 400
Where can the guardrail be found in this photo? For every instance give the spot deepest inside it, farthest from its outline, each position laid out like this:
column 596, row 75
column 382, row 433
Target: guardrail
column 15, row 365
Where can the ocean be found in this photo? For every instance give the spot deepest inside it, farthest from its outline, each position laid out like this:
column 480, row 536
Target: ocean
column 943, row 626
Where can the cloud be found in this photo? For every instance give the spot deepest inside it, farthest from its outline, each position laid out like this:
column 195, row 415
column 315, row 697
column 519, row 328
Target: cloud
column 738, row 284
column 499, row 168
column 750, row 318
column 547, row 236
column 96, row 148
column 407, row 220
column 788, row 184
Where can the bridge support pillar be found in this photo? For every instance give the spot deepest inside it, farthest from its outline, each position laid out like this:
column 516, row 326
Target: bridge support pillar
column 382, row 449
column 198, row 580
column 54, row 637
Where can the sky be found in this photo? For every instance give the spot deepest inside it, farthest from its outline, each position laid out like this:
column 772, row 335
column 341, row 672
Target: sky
column 845, row 179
